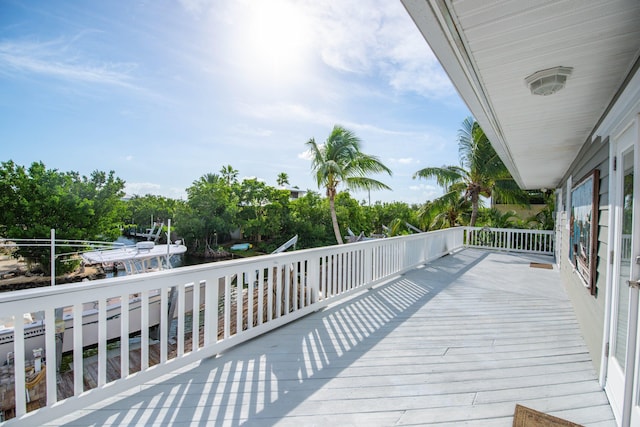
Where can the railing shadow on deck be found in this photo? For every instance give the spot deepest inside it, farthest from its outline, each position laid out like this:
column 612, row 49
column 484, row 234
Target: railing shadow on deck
column 261, row 381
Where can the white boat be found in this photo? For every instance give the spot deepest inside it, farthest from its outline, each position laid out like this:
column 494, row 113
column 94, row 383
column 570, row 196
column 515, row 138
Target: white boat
column 141, row 258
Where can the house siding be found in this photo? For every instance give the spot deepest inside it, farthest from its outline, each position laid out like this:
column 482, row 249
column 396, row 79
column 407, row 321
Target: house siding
column 590, row 309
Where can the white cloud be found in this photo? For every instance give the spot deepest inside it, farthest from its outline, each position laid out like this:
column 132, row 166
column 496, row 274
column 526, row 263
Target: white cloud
column 142, row 188
column 287, row 111
column 426, row 191
column 56, row 58
column 305, row 155
column 378, row 38
column 254, row 131
column 129, row 158
column 404, row 161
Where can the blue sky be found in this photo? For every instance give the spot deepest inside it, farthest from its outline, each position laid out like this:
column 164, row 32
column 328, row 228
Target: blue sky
column 163, row 92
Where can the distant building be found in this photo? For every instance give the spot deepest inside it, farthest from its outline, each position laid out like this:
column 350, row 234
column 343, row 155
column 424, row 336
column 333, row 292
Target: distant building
column 294, row 192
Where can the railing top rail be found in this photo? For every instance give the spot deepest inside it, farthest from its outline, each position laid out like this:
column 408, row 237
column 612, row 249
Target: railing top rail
column 518, row 230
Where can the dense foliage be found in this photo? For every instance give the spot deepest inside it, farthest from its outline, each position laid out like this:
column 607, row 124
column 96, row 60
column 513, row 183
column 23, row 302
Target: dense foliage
column 141, row 210
column 36, row 199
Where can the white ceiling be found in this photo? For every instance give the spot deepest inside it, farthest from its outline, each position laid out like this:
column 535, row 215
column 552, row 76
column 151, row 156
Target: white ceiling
column 489, row 47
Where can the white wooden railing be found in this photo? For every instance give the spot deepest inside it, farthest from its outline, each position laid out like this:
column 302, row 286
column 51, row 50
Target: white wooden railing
column 237, row 300
column 275, row 289
column 511, row 239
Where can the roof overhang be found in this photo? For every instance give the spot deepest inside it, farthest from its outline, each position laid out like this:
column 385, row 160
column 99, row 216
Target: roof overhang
column 488, row 49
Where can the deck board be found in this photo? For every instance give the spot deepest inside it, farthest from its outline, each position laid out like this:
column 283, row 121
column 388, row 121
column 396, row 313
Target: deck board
column 457, row 342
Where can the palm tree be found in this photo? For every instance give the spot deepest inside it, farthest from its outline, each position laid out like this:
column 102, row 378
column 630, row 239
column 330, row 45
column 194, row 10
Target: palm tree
column 496, row 219
column 449, row 210
column 229, row 174
column 282, row 179
column 481, row 171
column 208, row 178
column 339, row 160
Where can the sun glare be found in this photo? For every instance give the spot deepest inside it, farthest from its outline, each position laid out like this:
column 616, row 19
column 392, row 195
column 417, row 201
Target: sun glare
column 276, row 39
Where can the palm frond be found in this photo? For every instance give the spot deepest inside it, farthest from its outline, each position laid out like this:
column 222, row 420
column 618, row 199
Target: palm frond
column 365, row 183
column 445, row 176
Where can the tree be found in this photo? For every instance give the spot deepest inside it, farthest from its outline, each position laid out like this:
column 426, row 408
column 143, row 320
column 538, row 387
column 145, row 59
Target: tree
column 261, row 208
column 140, row 209
column 450, row 210
column 309, row 219
column 496, row 219
column 210, row 212
column 340, row 161
column 544, row 220
column 210, row 178
column 228, row 173
column 481, row 171
column 37, row 199
column 283, row 179
column 400, row 212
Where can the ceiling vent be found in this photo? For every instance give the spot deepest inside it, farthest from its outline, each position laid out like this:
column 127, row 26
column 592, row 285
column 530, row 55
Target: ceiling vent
column 549, row 81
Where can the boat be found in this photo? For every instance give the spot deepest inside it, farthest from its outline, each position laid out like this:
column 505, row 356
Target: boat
column 141, row 258
column 241, row 247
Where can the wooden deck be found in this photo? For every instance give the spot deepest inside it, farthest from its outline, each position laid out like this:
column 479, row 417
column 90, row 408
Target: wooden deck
column 459, row 341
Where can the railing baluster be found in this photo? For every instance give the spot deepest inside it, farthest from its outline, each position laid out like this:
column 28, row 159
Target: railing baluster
column 239, row 301
column 51, row 355
column 124, row 335
column 182, row 293
column 227, row 306
column 144, row 330
column 334, row 275
column 19, row 357
column 279, row 285
column 210, row 312
column 164, row 324
column 78, row 374
column 260, row 295
column 102, row 341
column 195, row 317
column 293, row 287
column 250, row 289
column 270, row 278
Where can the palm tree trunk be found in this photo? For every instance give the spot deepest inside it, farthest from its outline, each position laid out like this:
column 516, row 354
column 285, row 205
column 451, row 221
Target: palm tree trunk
column 474, row 208
column 334, row 220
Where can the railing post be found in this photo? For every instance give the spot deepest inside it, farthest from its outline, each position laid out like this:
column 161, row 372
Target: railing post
column 53, row 257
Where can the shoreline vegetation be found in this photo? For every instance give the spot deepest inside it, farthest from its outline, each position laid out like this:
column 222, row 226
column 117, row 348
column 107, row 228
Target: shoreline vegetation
column 221, row 209
column 15, row 275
